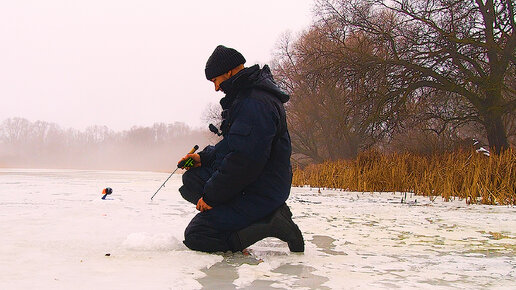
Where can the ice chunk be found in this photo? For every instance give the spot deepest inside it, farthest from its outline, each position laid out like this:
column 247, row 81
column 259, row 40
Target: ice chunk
column 152, row 242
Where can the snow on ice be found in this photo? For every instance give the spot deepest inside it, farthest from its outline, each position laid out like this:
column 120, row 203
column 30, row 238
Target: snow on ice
column 57, row 233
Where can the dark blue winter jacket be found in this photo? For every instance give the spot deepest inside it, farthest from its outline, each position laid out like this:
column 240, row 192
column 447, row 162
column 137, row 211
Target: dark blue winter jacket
column 253, row 158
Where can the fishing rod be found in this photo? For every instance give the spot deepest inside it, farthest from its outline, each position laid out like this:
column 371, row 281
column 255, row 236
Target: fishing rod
column 185, row 163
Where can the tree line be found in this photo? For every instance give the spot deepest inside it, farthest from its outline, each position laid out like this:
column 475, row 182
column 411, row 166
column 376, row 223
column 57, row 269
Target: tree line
column 42, row 144
column 422, row 76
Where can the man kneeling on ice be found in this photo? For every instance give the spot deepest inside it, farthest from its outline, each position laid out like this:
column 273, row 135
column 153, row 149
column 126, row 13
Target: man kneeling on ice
column 240, row 185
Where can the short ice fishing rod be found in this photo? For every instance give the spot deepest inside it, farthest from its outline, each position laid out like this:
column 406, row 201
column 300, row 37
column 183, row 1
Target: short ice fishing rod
column 185, row 163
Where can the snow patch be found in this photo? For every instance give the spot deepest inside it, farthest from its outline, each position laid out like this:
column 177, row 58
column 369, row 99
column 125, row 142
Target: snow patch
column 149, row 242
column 263, row 271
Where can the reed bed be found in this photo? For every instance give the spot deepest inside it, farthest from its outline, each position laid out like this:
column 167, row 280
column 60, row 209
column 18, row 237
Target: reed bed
column 471, row 176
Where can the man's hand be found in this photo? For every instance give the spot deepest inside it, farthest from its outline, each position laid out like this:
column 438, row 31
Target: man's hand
column 202, row 206
column 196, row 158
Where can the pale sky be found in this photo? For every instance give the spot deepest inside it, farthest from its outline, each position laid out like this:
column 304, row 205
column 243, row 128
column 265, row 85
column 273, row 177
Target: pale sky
column 122, row 63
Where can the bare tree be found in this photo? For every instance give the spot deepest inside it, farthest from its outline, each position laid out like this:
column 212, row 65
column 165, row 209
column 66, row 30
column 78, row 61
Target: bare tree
column 330, row 115
column 462, row 50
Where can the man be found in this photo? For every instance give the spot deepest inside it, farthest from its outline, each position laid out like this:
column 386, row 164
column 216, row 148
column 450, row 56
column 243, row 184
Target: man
column 240, row 185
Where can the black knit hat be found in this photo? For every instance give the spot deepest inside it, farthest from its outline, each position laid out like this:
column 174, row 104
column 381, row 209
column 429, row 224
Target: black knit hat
column 222, row 60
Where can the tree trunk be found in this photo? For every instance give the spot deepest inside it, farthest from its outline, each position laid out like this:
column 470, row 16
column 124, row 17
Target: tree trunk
column 496, row 134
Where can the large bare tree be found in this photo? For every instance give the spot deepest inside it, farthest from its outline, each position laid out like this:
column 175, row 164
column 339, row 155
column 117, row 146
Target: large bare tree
column 331, row 115
column 461, row 50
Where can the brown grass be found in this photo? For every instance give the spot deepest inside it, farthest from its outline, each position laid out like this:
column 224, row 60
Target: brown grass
column 466, row 175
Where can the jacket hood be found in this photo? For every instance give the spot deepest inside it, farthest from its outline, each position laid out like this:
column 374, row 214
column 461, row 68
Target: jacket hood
column 254, row 77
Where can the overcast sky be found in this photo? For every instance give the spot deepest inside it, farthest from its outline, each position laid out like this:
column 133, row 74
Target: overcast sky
column 122, row 63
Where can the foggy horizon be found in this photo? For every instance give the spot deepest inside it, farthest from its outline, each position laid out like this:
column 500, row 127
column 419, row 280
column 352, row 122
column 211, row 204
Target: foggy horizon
column 202, row 126
column 26, row 144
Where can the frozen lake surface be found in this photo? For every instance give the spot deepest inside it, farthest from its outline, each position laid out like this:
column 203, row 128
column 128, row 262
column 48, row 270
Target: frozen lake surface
column 56, row 233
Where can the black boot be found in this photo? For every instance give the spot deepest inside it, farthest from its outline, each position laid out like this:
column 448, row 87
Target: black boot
column 278, row 225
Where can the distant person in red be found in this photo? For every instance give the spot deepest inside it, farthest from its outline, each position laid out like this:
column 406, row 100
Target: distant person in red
column 240, row 185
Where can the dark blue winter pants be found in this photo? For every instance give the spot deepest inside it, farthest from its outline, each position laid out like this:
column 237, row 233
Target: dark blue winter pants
column 213, row 230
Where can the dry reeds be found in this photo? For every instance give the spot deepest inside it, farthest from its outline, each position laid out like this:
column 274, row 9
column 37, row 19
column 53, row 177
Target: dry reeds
column 466, row 175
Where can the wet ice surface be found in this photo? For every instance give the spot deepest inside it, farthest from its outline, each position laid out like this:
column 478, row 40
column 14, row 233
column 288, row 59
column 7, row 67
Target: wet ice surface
column 56, row 232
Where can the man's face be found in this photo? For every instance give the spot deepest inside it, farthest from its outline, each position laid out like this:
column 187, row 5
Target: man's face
column 218, row 80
